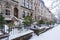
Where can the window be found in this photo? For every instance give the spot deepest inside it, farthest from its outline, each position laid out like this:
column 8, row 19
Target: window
column 41, row 6
column 0, row 7
column 41, row 11
column 7, row 12
column 38, row 10
column 28, row 14
column 35, row 9
column 7, row 5
column 35, row 17
column 23, row 14
column 38, row 17
column 30, row 5
column 45, row 11
column 31, row 14
column 23, row 2
column 7, row 8
column 26, row 3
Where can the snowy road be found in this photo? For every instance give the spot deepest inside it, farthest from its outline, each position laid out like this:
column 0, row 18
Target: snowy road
column 52, row 34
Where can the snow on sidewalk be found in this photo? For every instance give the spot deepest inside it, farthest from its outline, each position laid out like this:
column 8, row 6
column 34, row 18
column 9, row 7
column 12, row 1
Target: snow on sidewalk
column 52, row 34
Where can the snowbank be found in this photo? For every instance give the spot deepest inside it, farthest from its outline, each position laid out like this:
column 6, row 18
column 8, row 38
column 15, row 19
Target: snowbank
column 17, row 34
column 1, row 33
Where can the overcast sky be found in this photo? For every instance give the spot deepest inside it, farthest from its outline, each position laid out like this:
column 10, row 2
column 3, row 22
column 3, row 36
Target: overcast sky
column 53, row 5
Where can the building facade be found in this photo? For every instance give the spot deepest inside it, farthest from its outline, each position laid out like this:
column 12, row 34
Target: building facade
column 17, row 8
column 22, row 8
column 45, row 13
column 9, row 8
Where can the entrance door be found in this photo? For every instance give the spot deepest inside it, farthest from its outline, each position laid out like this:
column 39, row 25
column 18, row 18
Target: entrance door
column 16, row 12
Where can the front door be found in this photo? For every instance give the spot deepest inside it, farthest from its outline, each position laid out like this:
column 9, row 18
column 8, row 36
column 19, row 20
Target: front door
column 16, row 12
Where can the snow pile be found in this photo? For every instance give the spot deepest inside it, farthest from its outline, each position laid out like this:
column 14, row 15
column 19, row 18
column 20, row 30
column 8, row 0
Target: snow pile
column 35, row 23
column 18, row 19
column 1, row 33
column 7, row 18
column 21, row 21
column 53, row 34
column 6, row 28
column 16, row 23
column 38, row 27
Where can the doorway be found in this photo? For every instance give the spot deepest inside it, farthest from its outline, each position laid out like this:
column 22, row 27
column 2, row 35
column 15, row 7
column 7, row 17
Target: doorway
column 16, row 12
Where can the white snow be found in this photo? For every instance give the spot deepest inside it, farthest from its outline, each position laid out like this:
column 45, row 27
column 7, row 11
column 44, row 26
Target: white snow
column 53, row 34
column 16, row 23
column 6, row 28
column 17, row 34
column 1, row 33
column 39, row 27
column 21, row 21
column 7, row 18
column 35, row 23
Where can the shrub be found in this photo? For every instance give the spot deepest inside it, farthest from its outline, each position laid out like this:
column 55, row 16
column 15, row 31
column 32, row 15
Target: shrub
column 41, row 22
column 2, row 21
column 11, row 24
column 49, row 23
column 27, row 20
